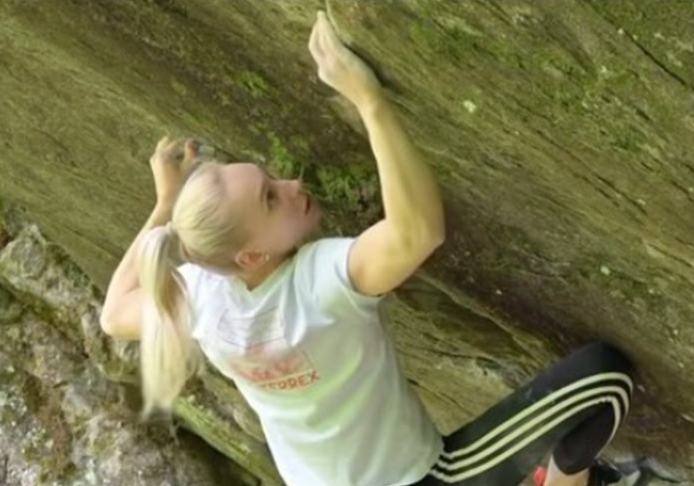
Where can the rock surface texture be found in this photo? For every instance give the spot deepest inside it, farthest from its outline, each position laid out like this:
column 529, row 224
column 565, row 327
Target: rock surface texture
column 62, row 422
column 562, row 133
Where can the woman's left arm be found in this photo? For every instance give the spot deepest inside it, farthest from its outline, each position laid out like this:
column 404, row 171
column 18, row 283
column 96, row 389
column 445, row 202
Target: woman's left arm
column 387, row 253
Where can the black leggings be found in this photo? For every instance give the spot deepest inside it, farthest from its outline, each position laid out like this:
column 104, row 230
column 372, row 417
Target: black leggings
column 575, row 407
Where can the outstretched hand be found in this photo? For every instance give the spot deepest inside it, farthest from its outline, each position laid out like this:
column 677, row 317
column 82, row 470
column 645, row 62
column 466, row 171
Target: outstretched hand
column 171, row 165
column 339, row 67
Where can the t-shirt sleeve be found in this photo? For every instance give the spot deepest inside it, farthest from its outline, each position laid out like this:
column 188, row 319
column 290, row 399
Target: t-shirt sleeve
column 323, row 274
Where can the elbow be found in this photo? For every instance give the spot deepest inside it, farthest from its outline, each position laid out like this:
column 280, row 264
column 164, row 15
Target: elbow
column 417, row 236
column 430, row 228
column 425, row 240
column 434, row 240
column 433, row 234
column 438, row 234
column 439, row 230
column 107, row 325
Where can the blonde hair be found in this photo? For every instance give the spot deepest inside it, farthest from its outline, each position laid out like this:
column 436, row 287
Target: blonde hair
column 202, row 231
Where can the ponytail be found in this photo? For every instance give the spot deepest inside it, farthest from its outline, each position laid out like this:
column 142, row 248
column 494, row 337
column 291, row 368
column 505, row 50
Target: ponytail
column 168, row 353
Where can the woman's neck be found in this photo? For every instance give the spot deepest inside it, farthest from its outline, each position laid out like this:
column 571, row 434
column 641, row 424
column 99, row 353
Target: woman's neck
column 256, row 278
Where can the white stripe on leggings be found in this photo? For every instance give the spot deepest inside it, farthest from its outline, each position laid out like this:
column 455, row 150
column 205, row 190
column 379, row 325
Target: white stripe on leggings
column 520, row 445
column 552, row 397
column 531, row 425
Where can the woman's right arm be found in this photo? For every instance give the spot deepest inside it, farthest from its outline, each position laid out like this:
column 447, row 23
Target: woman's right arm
column 120, row 317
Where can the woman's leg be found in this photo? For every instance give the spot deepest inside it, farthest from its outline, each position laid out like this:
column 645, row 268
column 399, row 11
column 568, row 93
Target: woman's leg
column 577, row 451
column 575, row 408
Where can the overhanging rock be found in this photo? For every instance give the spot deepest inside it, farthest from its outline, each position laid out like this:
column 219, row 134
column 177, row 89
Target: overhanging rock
column 562, row 133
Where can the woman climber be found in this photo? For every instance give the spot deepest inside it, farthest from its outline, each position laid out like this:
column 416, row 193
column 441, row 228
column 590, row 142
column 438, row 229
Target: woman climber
column 295, row 324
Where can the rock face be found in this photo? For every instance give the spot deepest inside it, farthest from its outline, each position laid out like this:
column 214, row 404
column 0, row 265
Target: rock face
column 61, row 421
column 562, row 133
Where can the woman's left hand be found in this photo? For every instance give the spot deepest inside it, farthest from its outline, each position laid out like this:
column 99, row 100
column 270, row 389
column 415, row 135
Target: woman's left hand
column 339, row 67
column 171, row 165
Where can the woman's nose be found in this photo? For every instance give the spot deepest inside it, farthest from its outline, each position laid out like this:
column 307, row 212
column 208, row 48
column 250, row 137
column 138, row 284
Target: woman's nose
column 296, row 187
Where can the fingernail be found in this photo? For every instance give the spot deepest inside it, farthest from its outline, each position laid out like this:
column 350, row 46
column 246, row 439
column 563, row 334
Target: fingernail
column 206, row 150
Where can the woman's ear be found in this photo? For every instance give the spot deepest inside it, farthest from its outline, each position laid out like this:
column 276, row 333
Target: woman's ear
column 250, row 259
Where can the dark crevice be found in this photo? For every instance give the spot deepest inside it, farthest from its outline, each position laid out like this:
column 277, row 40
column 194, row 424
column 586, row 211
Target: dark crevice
column 5, row 238
column 497, row 12
column 646, row 166
column 688, row 244
column 677, row 184
column 661, row 65
column 643, row 49
column 626, row 197
column 672, row 256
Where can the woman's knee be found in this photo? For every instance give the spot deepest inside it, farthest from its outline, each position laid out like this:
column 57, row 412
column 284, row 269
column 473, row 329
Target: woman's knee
column 607, row 358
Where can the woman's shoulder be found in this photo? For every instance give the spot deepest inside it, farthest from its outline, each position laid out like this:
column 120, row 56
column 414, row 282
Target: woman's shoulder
column 322, row 271
column 325, row 245
column 196, row 278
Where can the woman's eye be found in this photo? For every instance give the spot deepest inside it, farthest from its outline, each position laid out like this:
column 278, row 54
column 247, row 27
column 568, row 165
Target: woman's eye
column 271, row 198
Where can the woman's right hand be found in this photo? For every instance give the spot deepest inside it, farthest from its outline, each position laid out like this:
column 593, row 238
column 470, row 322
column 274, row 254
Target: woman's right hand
column 339, row 67
column 171, row 165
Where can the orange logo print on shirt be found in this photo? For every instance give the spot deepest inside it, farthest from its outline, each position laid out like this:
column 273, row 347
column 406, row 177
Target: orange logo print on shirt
column 262, row 355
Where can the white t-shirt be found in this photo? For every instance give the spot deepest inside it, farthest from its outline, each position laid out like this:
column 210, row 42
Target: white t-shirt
column 312, row 358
